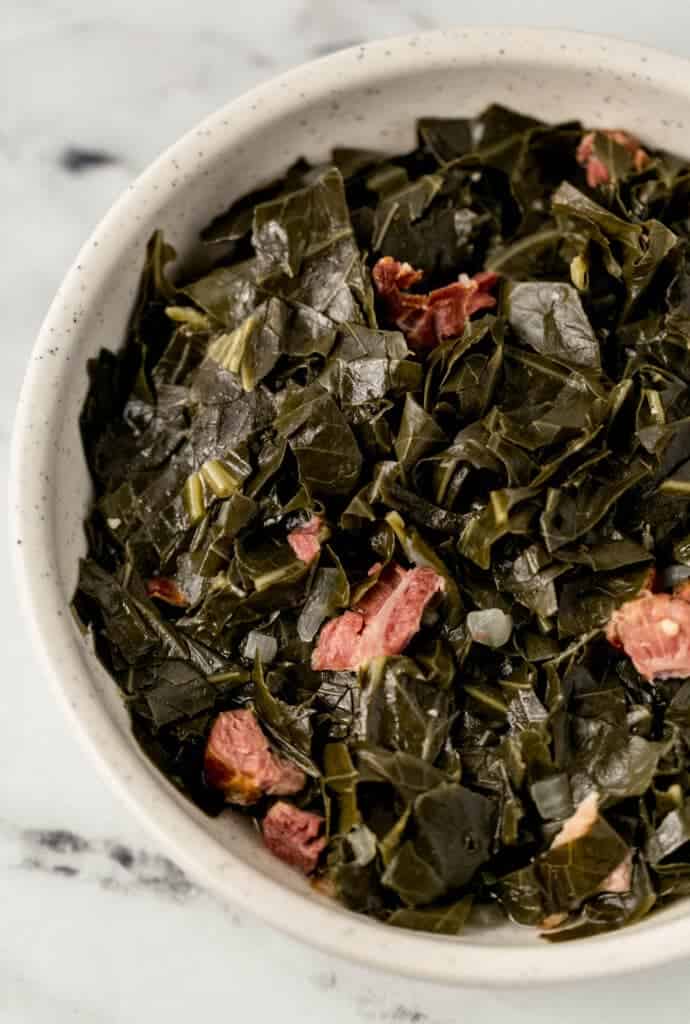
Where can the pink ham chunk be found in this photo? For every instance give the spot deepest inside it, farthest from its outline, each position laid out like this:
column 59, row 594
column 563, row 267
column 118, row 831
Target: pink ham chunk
column 239, row 762
column 428, row 319
column 373, row 600
column 305, row 540
column 166, row 590
column 294, row 835
column 386, row 619
column 338, row 644
column 654, row 631
column 596, row 170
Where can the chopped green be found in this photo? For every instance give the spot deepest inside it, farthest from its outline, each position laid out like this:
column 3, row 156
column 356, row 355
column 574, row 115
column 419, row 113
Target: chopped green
column 382, row 476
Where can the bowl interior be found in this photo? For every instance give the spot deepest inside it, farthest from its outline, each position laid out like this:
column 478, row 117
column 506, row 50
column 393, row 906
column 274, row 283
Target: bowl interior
column 367, row 97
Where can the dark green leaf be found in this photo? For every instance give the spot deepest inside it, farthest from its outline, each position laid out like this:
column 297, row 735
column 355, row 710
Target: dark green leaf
column 553, row 797
column 353, row 870
column 446, row 137
column 327, row 454
column 289, row 725
column 567, row 517
column 400, row 711
column 537, row 458
column 609, row 911
column 408, row 774
column 414, row 880
column 454, row 832
column 549, row 318
column 574, row 871
column 668, row 843
column 291, row 229
column 178, row 691
column 418, row 435
column 228, row 294
column 329, row 593
column 522, row 896
column 443, row 920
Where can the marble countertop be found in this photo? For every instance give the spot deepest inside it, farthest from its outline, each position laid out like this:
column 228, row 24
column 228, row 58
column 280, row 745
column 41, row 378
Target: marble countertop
column 96, row 925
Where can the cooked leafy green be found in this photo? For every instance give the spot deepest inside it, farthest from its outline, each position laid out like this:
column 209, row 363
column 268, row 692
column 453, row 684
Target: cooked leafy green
column 288, row 443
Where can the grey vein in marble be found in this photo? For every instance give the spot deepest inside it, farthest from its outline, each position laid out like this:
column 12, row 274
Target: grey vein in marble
column 107, row 862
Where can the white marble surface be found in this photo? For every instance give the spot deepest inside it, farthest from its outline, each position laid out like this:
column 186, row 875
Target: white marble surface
column 96, row 925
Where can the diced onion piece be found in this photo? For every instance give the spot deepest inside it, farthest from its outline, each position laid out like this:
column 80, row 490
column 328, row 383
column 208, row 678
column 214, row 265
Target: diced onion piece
column 491, row 627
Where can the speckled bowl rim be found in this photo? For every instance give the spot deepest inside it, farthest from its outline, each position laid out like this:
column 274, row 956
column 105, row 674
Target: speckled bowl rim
column 327, row 927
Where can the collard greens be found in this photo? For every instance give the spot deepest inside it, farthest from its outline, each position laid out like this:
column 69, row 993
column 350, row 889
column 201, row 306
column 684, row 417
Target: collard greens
column 535, row 456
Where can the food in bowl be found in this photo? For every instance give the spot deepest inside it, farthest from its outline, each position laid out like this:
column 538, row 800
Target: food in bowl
column 390, row 540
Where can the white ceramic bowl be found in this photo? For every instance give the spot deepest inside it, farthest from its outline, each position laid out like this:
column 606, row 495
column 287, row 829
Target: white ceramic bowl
column 366, row 96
